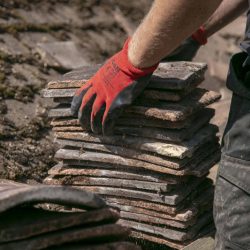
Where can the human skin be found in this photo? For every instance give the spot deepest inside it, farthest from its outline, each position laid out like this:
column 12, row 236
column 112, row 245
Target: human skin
column 227, row 12
column 166, row 25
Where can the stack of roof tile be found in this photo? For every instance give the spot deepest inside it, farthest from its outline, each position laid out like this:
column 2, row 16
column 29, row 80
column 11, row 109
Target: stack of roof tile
column 154, row 167
column 90, row 224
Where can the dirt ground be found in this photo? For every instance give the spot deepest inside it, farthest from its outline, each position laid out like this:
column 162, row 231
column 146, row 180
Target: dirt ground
column 39, row 41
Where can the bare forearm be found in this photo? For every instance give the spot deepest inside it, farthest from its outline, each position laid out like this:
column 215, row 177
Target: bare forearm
column 226, row 13
column 167, row 24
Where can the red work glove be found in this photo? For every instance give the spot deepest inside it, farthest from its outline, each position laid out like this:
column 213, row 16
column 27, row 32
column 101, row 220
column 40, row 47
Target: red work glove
column 200, row 36
column 100, row 101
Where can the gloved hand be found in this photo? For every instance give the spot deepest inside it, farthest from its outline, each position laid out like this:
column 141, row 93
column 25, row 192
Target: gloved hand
column 100, row 101
column 188, row 49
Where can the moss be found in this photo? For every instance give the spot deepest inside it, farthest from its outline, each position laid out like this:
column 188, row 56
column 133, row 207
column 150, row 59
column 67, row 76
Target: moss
column 2, row 77
column 6, row 91
column 4, row 56
column 3, row 108
column 15, row 28
column 22, row 93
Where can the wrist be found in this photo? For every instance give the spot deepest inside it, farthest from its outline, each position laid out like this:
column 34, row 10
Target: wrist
column 135, row 55
column 135, row 59
column 200, row 36
column 132, row 63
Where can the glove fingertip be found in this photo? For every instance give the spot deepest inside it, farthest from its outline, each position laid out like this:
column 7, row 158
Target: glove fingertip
column 108, row 128
column 96, row 121
column 108, row 124
column 77, row 101
column 84, row 114
column 75, row 105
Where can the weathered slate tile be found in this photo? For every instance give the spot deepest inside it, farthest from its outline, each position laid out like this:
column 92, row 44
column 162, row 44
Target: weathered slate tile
column 169, row 111
column 168, row 232
column 67, row 129
column 11, row 21
column 183, row 215
column 121, row 245
column 21, row 223
column 63, row 100
column 69, row 14
column 191, row 104
column 128, row 174
column 91, row 234
column 60, row 111
column 104, row 160
column 181, row 150
column 96, row 159
column 145, row 238
column 137, row 120
column 202, row 200
column 205, row 165
column 71, row 80
column 205, row 243
column 57, row 85
column 10, row 47
column 65, row 55
column 37, row 17
column 172, row 210
column 201, row 153
column 64, row 122
column 174, row 75
column 167, row 95
column 109, row 182
column 192, row 203
column 195, row 208
column 171, row 198
column 44, row 17
column 151, row 220
column 65, row 93
column 147, row 132
column 51, row 93
column 198, row 169
column 163, row 134
column 75, row 78
column 31, row 39
column 165, row 115
column 26, row 74
column 203, row 156
column 163, row 95
column 177, row 75
column 13, row 194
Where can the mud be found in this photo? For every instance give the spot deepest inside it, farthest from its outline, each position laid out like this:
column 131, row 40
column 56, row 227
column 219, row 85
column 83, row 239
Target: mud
column 26, row 152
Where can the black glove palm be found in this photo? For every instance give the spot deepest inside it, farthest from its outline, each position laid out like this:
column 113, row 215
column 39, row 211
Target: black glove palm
column 185, row 52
